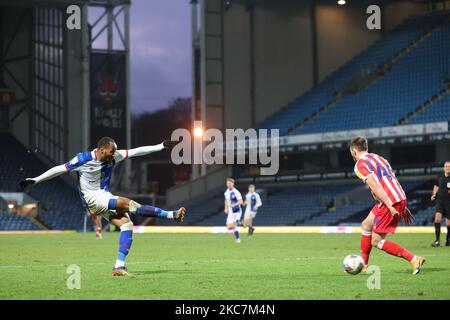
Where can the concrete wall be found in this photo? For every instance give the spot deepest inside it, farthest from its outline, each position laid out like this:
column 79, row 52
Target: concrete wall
column 197, row 187
column 74, row 92
column 283, row 54
column 281, row 59
column 442, row 151
column 275, row 66
column 237, row 90
column 341, row 34
column 395, row 13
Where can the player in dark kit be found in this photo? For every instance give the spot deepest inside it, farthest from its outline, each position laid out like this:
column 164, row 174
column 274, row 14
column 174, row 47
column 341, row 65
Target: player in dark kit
column 441, row 193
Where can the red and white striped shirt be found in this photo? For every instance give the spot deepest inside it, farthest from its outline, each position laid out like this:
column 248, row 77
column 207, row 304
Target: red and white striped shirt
column 381, row 170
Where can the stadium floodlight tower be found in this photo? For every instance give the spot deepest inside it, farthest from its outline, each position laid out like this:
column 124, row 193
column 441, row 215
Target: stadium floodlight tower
column 109, row 43
column 207, row 54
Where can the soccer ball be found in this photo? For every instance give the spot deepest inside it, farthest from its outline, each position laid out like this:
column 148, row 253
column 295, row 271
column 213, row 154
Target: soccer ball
column 353, row 264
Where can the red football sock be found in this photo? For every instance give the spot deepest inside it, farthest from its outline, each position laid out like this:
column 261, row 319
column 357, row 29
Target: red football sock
column 395, row 249
column 366, row 246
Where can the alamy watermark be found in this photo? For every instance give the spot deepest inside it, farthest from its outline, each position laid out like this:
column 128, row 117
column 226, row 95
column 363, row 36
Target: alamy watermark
column 73, row 21
column 374, row 281
column 373, row 22
column 74, row 280
column 236, row 147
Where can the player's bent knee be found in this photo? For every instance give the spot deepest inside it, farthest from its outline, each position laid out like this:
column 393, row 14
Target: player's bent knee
column 128, row 226
column 123, row 205
column 133, row 206
column 230, row 226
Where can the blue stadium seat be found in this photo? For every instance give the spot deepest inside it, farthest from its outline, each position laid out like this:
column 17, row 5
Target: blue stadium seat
column 390, row 98
column 300, row 205
column 62, row 202
column 11, row 221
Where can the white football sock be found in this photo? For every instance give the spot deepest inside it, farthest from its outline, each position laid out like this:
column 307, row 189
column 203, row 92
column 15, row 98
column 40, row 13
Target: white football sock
column 119, row 263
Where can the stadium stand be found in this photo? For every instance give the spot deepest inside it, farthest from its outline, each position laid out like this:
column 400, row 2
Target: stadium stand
column 418, row 193
column 417, row 46
column 311, row 205
column 11, row 221
column 439, row 111
column 62, row 202
column 392, row 94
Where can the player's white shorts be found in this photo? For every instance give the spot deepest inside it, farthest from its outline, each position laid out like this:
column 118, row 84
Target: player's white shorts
column 249, row 214
column 233, row 217
column 97, row 202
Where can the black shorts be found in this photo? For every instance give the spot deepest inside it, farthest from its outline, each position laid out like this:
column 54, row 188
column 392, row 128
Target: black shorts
column 444, row 208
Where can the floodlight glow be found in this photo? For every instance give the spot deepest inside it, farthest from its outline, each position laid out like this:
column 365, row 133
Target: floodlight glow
column 198, row 132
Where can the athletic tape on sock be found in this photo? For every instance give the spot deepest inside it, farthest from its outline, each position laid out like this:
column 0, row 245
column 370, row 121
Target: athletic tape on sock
column 127, row 226
column 133, row 205
column 380, row 244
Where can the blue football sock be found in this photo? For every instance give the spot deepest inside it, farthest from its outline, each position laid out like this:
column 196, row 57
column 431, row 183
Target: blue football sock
column 150, row 211
column 236, row 233
column 125, row 241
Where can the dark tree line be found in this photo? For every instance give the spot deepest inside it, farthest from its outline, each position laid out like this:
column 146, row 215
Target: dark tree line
column 152, row 128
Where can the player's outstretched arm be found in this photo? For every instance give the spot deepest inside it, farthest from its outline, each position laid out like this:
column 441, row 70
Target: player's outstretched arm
column 142, row 151
column 47, row 175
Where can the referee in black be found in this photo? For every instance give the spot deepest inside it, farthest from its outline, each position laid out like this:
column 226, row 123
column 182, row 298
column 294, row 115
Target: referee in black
column 441, row 193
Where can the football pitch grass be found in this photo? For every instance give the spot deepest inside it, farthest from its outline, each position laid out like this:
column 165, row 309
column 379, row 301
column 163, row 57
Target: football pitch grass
column 212, row 266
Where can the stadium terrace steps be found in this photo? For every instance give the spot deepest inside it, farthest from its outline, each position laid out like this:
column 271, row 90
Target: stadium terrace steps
column 361, row 83
column 326, row 108
column 12, row 221
column 308, row 205
column 399, row 92
column 282, row 206
column 62, row 202
column 434, row 109
column 418, row 193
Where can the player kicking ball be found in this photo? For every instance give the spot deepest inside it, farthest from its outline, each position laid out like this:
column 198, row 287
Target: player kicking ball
column 252, row 203
column 94, row 170
column 384, row 217
column 233, row 210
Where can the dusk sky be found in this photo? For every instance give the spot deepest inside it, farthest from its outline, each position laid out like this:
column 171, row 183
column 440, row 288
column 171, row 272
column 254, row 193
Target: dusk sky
column 160, row 53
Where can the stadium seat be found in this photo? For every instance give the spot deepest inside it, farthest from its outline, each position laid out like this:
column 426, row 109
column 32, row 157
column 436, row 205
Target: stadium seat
column 63, row 209
column 302, row 205
column 390, row 98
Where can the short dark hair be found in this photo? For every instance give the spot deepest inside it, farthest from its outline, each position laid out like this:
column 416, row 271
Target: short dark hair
column 360, row 143
column 105, row 142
